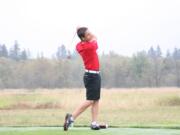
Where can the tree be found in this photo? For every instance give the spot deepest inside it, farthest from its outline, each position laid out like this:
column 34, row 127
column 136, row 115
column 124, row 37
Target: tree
column 176, row 54
column 158, row 51
column 3, row 51
column 15, row 51
column 156, row 59
column 168, row 54
column 69, row 55
column 176, row 57
column 24, row 55
column 140, row 66
column 61, row 52
column 152, row 52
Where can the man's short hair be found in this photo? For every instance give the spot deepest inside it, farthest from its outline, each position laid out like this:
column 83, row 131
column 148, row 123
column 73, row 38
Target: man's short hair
column 81, row 32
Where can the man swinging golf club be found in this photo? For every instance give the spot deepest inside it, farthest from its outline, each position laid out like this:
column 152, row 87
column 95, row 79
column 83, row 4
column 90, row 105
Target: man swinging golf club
column 87, row 48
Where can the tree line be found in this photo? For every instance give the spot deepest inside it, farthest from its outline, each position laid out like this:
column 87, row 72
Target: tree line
column 144, row 69
column 16, row 53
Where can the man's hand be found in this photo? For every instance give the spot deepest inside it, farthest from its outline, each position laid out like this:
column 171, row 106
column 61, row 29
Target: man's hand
column 94, row 38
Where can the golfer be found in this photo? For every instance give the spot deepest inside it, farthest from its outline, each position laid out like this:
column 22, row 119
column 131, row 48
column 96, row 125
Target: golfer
column 87, row 48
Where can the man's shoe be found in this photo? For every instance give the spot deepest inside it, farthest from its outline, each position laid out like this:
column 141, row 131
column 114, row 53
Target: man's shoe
column 68, row 121
column 95, row 127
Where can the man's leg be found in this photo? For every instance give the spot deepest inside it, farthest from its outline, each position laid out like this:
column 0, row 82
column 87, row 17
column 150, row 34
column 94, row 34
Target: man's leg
column 95, row 110
column 82, row 108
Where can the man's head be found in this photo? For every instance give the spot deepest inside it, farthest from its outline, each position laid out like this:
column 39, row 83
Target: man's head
column 84, row 34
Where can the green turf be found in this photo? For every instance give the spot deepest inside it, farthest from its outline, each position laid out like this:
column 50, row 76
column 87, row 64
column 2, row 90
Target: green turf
column 86, row 131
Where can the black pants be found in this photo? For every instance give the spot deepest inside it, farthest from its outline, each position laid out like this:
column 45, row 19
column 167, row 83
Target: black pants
column 92, row 83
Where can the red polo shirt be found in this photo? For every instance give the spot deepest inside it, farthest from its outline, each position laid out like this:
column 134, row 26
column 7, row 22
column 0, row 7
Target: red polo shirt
column 87, row 50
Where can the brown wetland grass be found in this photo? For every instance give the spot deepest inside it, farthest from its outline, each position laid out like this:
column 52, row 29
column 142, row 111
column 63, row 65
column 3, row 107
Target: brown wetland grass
column 145, row 107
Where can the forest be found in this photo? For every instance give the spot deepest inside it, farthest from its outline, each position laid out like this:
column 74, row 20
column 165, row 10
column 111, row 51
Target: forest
column 149, row 68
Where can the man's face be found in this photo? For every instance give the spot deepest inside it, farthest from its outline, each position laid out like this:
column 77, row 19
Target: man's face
column 88, row 36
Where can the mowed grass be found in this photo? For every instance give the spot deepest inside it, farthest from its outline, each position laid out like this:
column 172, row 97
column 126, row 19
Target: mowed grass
column 119, row 107
column 86, row 131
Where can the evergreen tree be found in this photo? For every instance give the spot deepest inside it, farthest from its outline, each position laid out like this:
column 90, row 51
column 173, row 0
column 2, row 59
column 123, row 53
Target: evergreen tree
column 61, row 52
column 69, row 55
column 168, row 54
column 15, row 51
column 151, row 52
column 3, row 51
column 158, row 51
column 176, row 57
column 176, row 54
column 24, row 55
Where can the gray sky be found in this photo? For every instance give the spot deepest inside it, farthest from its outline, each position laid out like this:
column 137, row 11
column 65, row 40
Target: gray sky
column 124, row 26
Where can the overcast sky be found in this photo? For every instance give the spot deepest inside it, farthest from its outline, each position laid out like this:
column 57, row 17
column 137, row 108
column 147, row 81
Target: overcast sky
column 124, row 26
